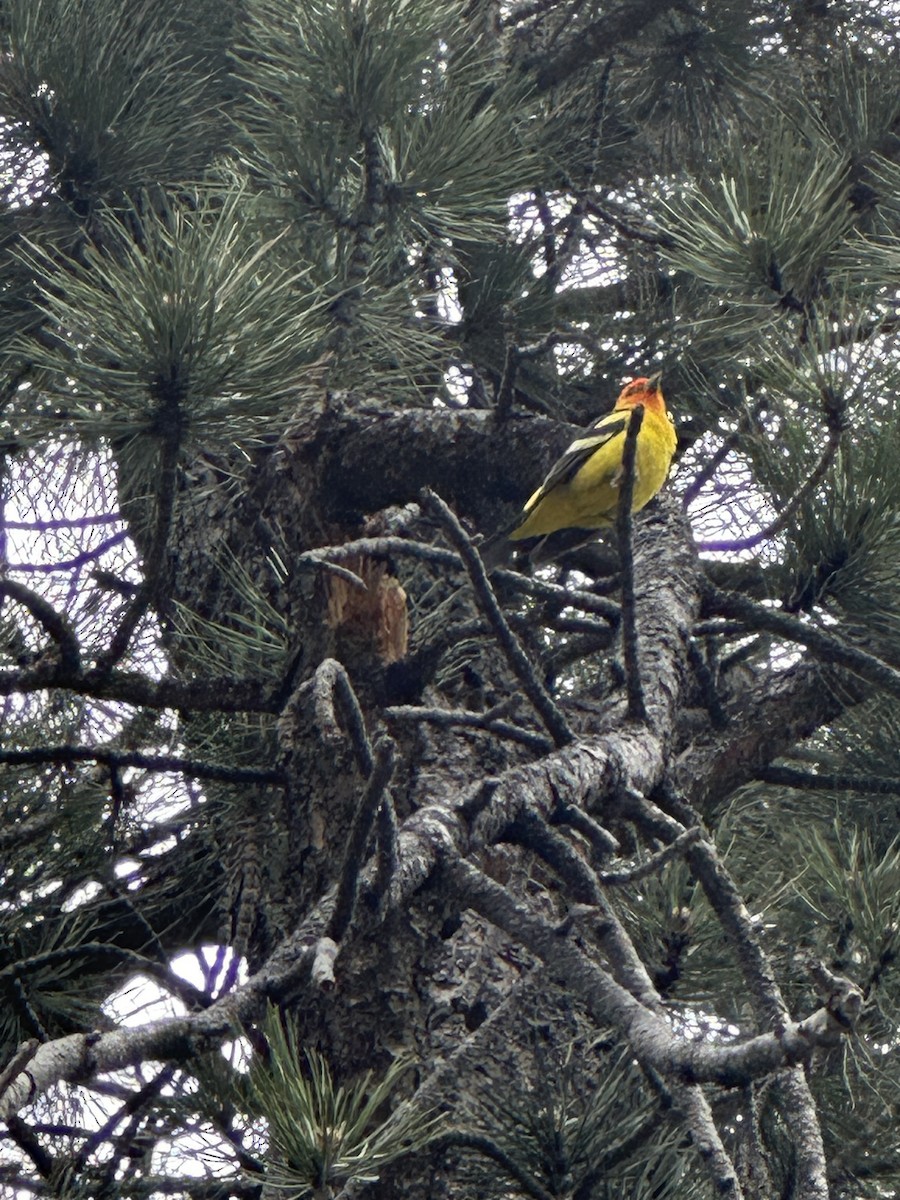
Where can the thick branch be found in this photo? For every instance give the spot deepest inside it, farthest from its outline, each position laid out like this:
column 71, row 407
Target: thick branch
column 772, row 715
column 651, row 1036
column 823, row 646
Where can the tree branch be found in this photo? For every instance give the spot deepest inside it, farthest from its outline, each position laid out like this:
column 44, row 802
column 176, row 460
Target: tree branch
column 52, row 622
column 806, row 489
column 651, row 1037
column 332, row 681
column 118, row 759
column 822, row 645
column 544, row 704
column 637, row 709
column 363, row 820
column 597, row 41
column 726, row 901
column 488, row 721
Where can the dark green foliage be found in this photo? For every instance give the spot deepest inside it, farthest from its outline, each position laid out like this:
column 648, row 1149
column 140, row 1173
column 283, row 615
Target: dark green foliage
column 269, row 268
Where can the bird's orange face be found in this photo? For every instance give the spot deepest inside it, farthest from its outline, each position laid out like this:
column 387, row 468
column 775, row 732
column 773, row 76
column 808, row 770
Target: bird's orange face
column 642, row 391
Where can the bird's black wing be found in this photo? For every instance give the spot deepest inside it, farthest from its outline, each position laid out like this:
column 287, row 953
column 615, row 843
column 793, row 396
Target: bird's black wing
column 573, row 459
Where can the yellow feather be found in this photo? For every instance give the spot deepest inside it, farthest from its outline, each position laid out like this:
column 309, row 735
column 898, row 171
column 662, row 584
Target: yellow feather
column 586, row 496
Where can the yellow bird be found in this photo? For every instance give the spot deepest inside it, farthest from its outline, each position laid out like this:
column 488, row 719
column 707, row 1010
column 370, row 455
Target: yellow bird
column 582, row 489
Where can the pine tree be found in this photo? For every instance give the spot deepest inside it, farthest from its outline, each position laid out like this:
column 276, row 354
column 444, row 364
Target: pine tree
column 333, row 864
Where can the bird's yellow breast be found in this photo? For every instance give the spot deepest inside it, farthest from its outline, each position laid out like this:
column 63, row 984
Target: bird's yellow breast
column 590, row 499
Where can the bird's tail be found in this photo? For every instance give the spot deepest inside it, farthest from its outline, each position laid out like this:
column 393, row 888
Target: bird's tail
column 496, row 551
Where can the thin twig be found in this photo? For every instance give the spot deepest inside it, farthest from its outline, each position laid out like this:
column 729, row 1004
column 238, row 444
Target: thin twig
column 322, row 564
column 222, row 694
column 151, row 591
column 130, row 1108
column 19, row 1061
column 547, row 239
column 384, row 547
column 709, row 468
column 363, row 820
column 576, row 626
column 506, row 387
column 731, row 442
column 23, row 1136
column 488, row 721
column 717, row 628
column 573, row 649
column 625, row 228
column 568, row 597
column 595, row 142
column 119, row 759
column 52, row 622
column 872, row 785
column 86, row 522
column 331, row 680
column 637, row 708
column 620, row 1152
column 784, row 517
column 345, row 311
column 581, row 882
column 521, row 665
column 526, row 1183
column 387, row 848
column 717, row 714
column 602, row 842
column 655, row 863
column 70, row 564
column 823, row 646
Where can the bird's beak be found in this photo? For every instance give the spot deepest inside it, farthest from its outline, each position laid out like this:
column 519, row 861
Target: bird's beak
column 653, row 382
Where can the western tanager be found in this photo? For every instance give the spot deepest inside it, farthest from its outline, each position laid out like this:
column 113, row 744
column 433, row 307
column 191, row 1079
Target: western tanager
column 582, row 489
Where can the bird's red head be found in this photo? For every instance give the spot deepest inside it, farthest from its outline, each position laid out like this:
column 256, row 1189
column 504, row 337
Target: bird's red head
column 643, row 391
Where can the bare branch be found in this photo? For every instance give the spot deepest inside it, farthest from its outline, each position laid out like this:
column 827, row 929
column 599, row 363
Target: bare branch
column 71, row 564
column 52, row 622
column 601, row 840
column 152, row 590
column 363, row 820
column 637, row 708
column 784, row 517
column 543, row 702
column 656, row 862
column 873, row 785
column 388, row 849
column 384, row 547
column 19, row 1061
column 528, row 1185
column 598, row 40
column 222, row 694
column 823, row 646
column 651, row 1036
column 332, row 681
column 488, row 721
column 726, row 901
column 119, row 759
